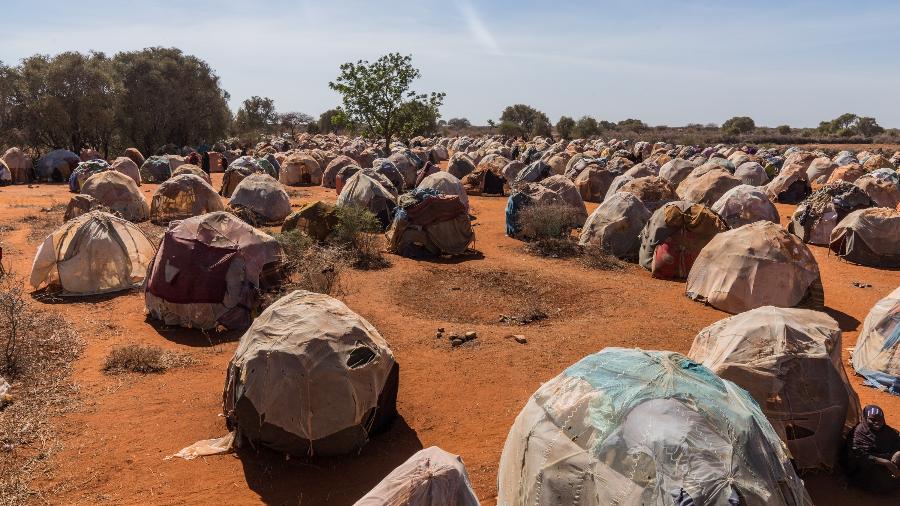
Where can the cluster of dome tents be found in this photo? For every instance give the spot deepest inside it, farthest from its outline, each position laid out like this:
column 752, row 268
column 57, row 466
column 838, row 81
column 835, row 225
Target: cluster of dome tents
column 760, row 396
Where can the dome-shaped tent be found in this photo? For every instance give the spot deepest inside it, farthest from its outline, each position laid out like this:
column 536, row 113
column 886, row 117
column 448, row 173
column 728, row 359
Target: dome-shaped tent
column 92, row 254
column 429, row 222
column 300, row 169
column 815, row 217
column 155, row 169
column 56, row 165
column 760, row 264
column 632, row 427
column 310, row 377
column 594, row 181
column 674, row 236
column 329, row 175
column 706, row 184
column 182, row 197
column 653, row 191
column 430, row 477
column 745, row 204
column 364, row 191
column 447, row 184
column 869, row 237
column 877, row 353
column 460, row 165
column 569, row 193
column 209, row 270
column 751, row 173
column 119, row 193
column 18, row 163
column 676, row 170
column 83, row 171
column 127, row 166
column 615, row 226
column 193, row 170
column 315, row 219
column 789, row 361
column 259, row 199
column 882, row 186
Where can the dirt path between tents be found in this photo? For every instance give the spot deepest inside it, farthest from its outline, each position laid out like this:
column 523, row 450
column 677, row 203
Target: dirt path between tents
column 461, row 399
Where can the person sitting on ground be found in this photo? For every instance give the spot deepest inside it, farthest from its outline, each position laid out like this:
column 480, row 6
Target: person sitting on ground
column 873, row 453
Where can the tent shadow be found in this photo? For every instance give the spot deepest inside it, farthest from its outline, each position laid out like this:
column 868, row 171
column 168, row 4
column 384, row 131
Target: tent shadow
column 468, row 256
column 45, row 296
column 327, row 480
column 846, row 322
column 832, row 489
column 194, row 338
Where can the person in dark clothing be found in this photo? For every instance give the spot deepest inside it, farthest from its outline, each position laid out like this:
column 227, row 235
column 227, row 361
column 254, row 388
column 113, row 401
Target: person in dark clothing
column 205, row 163
column 873, row 453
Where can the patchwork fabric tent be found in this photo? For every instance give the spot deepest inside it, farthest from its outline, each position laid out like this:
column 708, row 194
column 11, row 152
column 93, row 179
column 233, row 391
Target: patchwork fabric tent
column 366, row 192
column 789, row 361
column 92, row 254
column 83, row 171
column 155, row 169
column 633, row 428
column 751, row 173
column 56, row 165
column 429, row 222
column 594, row 181
column 300, row 169
column 118, row 193
column 528, row 195
column 815, row 218
column 19, row 165
column 310, row 377
column 676, row 170
column 615, row 226
column 760, row 264
column 674, row 236
column 447, row 184
column 791, row 185
column 460, row 165
column 193, row 170
column 706, row 184
column 329, row 175
column 882, row 186
column 653, row 191
column 209, row 271
column 745, row 204
column 259, row 199
column 877, row 353
column 430, row 477
column 569, row 193
column 869, row 237
column 127, row 166
column 182, row 197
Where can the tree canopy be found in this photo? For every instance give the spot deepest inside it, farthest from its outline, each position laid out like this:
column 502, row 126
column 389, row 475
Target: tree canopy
column 377, row 97
column 564, row 127
column 739, row 125
column 530, row 121
column 848, row 124
column 586, row 127
column 457, row 124
column 256, row 117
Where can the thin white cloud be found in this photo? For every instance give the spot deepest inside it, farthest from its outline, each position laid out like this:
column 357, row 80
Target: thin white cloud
column 479, row 29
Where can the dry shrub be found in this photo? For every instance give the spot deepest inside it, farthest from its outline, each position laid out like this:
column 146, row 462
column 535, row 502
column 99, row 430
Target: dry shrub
column 310, row 266
column 596, row 257
column 359, row 232
column 547, row 221
column 144, row 360
column 38, row 350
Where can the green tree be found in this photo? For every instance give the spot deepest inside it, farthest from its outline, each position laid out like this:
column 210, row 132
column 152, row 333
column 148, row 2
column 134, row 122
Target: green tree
column 327, row 121
column 417, row 118
column 586, row 127
column 564, row 127
column 374, row 95
column 531, row 121
column 256, row 117
column 848, row 125
column 632, row 125
column 868, row 127
column 168, row 97
column 784, row 129
column 64, row 101
column 739, row 125
column 511, row 129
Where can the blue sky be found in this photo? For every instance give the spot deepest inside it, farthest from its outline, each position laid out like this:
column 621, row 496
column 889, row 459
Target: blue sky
column 664, row 61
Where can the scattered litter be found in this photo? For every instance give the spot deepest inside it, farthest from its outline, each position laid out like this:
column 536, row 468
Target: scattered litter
column 217, row 446
column 860, row 284
column 470, row 335
column 5, row 396
column 529, row 316
column 520, row 339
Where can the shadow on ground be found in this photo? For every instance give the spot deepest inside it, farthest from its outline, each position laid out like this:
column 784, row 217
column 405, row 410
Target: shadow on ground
column 332, row 480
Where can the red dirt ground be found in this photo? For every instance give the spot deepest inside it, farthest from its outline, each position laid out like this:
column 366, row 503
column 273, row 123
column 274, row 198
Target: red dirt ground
column 461, row 399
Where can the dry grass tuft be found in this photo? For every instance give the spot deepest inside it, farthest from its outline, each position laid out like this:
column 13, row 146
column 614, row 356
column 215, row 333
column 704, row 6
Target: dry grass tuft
column 45, row 222
column 358, row 231
column 134, row 358
column 595, row 257
column 38, row 350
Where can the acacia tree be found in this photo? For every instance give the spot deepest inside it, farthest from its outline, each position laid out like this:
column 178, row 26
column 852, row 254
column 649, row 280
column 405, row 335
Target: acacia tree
column 586, row 127
column 376, row 96
column 294, row 121
column 739, row 125
column 531, row 121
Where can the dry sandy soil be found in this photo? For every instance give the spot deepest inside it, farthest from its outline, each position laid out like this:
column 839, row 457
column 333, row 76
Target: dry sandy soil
column 461, row 399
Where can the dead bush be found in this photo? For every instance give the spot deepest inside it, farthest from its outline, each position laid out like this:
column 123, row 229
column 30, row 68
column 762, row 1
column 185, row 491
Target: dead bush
column 143, row 360
column 595, row 257
column 47, row 221
column 547, row 221
column 359, row 232
column 311, row 266
column 38, row 350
